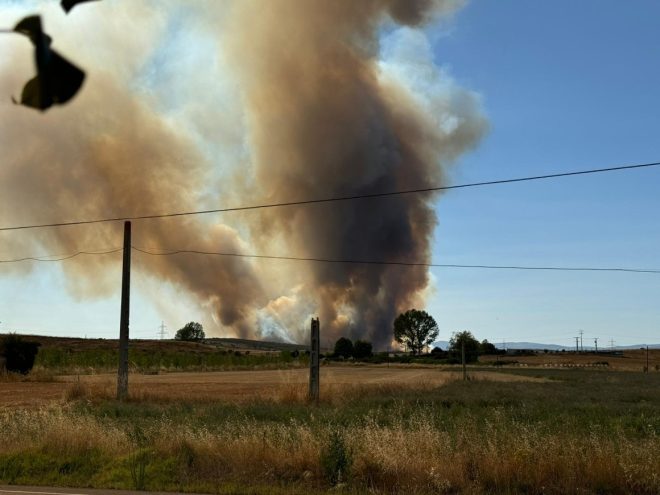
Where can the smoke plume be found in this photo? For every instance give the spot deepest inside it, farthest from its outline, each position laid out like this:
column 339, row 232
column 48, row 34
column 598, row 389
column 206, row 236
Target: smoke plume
column 326, row 118
column 296, row 99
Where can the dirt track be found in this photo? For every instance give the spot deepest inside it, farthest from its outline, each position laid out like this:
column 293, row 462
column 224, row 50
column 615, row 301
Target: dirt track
column 231, row 385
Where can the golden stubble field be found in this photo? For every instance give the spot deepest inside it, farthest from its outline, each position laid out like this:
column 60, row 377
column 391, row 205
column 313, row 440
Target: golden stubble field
column 236, row 386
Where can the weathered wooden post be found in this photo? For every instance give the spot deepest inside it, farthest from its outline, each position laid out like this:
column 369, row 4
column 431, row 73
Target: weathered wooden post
column 314, row 361
column 122, row 372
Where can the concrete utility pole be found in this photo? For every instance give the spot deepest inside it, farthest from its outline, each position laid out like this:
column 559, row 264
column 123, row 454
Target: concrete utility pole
column 596, row 343
column 611, row 344
column 647, row 359
column 122, row 372
column 577, row 349
column 314, row 384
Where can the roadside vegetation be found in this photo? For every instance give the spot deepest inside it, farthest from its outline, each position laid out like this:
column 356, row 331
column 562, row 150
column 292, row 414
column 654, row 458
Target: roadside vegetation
column 590, row 432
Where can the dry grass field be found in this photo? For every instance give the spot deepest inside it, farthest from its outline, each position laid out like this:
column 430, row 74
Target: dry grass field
column 236, row 386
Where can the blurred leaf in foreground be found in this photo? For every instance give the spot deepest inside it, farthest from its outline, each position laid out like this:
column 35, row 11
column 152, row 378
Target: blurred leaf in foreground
column 57, row 79
column 67, row 5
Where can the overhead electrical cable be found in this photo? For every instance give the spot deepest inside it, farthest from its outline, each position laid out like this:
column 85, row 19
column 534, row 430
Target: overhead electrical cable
column 60, row 257
column 329, row 199
column 64, row 257
column 396, row 263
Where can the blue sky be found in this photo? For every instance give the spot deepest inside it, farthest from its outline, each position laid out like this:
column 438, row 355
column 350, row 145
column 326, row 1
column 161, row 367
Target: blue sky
column 565, row 86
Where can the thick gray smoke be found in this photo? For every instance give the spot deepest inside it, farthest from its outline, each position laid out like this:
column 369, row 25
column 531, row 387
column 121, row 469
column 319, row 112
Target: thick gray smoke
column 301, row 98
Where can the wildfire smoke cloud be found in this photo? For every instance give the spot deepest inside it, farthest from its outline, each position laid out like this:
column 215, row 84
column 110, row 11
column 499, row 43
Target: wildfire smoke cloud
column 304, row 99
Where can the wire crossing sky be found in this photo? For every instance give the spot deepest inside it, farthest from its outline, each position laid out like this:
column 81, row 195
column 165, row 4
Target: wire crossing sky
column 174, row 252
column 332, row 200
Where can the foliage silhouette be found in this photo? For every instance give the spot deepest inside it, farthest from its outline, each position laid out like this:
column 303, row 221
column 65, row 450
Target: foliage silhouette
column 415, row 329
column 191, row 332
column 19, row 354
column 344, row 347
column 362, row 349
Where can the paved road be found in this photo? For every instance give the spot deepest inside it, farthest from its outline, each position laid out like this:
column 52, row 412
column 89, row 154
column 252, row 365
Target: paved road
column 44, row 490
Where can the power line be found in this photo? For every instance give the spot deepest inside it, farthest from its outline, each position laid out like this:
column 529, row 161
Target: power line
column 51, row 258
column 396, row 263
column 60, row 257
column 330, row 199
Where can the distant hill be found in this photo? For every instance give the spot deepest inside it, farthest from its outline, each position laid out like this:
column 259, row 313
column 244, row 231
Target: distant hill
column 443, row 344
column 532, row 345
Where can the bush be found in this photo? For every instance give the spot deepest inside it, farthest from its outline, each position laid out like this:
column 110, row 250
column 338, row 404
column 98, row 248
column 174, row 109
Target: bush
column 344, row 348
column 19, row 354
column 362, row 349
column 336, row 459
column 138, row 457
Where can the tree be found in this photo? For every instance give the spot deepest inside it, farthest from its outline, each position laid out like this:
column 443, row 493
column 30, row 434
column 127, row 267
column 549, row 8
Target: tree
column 471, row 346
column 191, row 332
column 415, row 329
column 19, row 354
column 362, row 349
column 344, row 348
column 487, row 348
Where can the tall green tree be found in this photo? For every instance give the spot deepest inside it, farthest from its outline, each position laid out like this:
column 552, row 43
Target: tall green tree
column 191, row 332
column 415, row 329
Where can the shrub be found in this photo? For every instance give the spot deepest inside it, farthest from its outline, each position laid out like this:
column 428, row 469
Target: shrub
column 19, row 354
column 138, row 457
column 336, row 459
